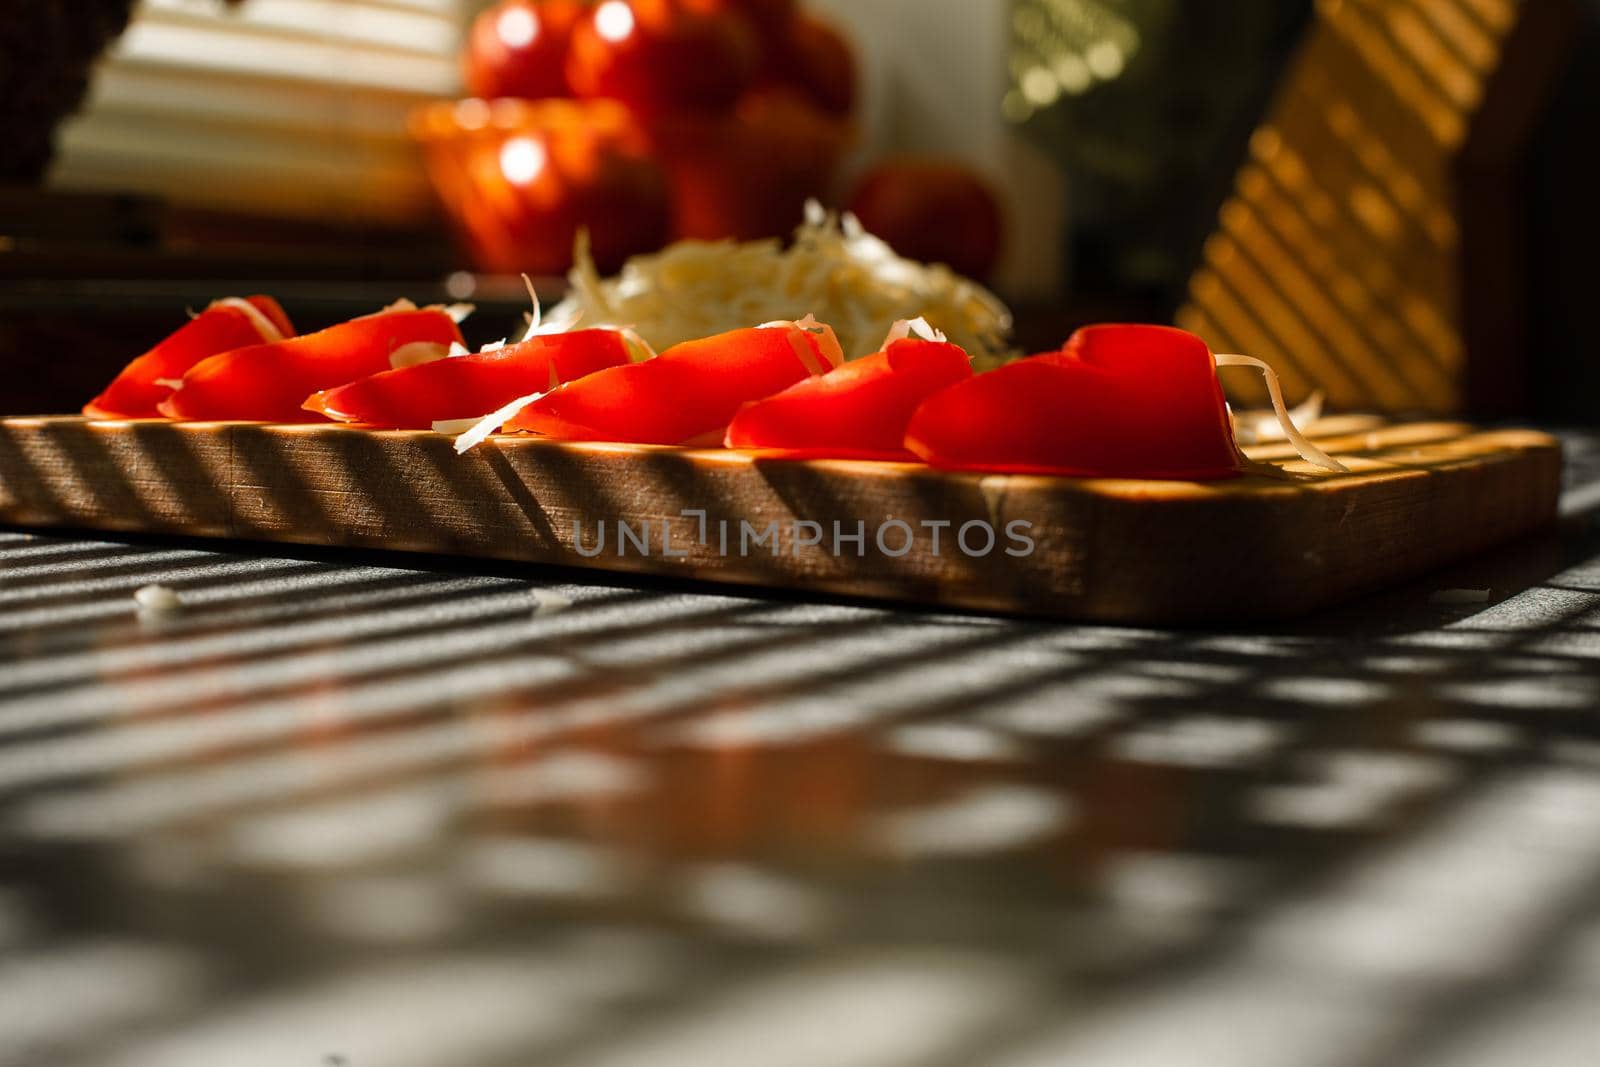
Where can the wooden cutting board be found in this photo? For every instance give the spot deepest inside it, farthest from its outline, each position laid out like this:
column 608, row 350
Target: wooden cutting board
column 1279, row 543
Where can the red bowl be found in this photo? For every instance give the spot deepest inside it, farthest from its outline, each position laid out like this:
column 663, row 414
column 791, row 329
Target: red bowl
column 519, row 178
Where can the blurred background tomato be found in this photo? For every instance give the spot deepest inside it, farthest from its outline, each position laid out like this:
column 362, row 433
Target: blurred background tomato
column 814, row 57
column 933, row 210
column 662, row 55
column 747, row 174
column 519, row 48
column 747, row 106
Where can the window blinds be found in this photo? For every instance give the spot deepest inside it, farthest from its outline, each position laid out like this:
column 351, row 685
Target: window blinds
column 285, row 107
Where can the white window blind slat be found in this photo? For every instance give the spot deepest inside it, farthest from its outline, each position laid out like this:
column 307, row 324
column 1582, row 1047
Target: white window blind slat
column 331, row 157
column 224, row 49
column 157, row 93
column 292, row 188
column 293, row 107
column 430, row 33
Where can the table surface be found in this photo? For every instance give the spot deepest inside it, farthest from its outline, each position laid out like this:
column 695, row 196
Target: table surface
column 363, row 811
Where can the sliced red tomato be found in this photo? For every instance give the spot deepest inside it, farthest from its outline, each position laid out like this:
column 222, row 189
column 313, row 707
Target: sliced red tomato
column 857, row 411
column 270, row 382
column 686, row 395
column 1116, row 401
column 465, row 387
column 225, row 325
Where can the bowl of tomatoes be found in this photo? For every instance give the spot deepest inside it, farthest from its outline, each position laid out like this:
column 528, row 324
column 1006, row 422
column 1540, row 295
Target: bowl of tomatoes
column 520, row 178
column 642, row 121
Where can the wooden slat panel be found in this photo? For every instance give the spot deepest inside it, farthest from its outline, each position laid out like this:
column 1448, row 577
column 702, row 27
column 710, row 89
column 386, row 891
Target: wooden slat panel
column 1351, row 188
column 1278, row 543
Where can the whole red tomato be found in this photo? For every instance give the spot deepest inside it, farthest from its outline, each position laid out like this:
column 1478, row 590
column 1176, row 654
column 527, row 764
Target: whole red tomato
column 662, row 55
column 747, row 174
column 765, row 15
column 519, row 48
column 932, row 210
column 816, row 58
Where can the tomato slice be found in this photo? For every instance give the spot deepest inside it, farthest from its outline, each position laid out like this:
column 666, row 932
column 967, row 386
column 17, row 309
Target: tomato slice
column 270, row 382
column 857, row 411
column 222, row 327
column 465, row 387
column 1116, row 401
column 686, row 395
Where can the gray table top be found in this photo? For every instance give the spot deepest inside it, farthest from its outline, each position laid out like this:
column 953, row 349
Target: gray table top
column 365, row 811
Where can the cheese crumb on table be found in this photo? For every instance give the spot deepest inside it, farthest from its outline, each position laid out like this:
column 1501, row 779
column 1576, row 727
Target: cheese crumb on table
column 157, row 600
column 546, row 602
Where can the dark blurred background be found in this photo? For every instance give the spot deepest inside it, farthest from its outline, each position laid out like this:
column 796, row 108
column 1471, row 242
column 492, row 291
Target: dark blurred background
column 315, row 149
column 1563, row 226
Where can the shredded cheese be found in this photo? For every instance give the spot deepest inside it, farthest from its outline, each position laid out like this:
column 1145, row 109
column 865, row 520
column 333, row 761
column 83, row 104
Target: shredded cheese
column 473, row 432
column 1308, row 451
column 537, row 327
column 491, row 423
column 455, row 426
column 549, row 602
column 157, row 600
column 417, row 352
column 919, row 326
column 264, row 326
column 638, row 348
column 458, row 313
column 804, row 352
column 1256, row 427
column 833, row 268
column 832, row 351
column 538, row 311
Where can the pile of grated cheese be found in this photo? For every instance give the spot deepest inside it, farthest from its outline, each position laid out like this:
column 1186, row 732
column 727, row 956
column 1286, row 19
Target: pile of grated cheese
column 833, row 269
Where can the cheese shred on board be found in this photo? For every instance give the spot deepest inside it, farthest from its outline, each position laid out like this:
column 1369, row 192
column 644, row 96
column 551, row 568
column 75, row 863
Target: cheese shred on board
column 1286, row 423
column 833, row 268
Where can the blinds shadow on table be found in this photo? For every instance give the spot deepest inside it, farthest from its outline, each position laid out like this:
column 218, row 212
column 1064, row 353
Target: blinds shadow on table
column 295, row 108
